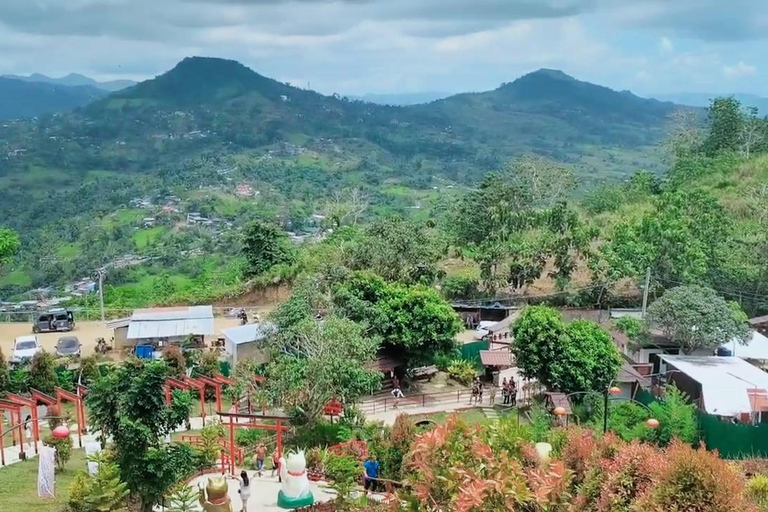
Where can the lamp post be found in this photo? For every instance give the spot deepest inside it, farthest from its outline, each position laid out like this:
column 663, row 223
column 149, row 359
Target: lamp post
column 610, row 390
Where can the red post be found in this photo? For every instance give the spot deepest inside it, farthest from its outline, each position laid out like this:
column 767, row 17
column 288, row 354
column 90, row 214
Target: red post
column 202, row 404
column 35, row 427
column 21, row 436
column 80, row 422
column 2, row 438
column 167, row 395
column 279, row 439
column 218, row 397
column 232, row 445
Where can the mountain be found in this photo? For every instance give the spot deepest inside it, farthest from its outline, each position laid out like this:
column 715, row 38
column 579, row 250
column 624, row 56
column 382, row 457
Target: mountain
column 209, row 130
column 704, row 99
column 30, row 99
column 74, row 79
column 413, row 98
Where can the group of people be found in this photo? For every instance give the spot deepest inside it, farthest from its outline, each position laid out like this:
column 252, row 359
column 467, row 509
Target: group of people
column 508, row 392
column 259, row 458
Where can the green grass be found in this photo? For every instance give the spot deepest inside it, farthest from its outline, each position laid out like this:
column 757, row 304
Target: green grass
column 18, row 485
column 143, row 238
column 471, row 416
column 122, row 218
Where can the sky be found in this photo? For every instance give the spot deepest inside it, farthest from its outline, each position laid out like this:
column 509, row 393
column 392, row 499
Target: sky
column 398, row 46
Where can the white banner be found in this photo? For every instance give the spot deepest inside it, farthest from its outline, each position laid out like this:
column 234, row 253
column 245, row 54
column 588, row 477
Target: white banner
column 92, row 448
column 45, row 470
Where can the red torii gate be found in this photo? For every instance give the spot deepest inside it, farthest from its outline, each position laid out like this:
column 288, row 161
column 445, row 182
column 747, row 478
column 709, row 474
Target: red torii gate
column 32, row 404
column 253, row 419
column 200, row 386
column 11, row 407
column 62, row 395
column 216, row 382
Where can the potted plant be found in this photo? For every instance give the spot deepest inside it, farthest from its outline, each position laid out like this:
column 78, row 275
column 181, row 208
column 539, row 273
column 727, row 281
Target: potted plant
column 315, row 464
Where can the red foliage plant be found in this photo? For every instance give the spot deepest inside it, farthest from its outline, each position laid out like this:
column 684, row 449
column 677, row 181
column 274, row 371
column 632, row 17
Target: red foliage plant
column 693, row 480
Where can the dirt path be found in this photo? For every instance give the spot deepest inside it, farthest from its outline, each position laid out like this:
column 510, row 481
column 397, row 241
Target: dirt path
column 86, row 332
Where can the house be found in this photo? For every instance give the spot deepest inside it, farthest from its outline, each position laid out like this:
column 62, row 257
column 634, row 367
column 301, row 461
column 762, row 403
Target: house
column 500, row 334
column 244, row 190
column 755, row 351
column 728, row 387
column 630, row 380
column 148, row 222
column 119, row 330
column 163, row 326
column 245, row 342
column 759, row 323
column 473, row 312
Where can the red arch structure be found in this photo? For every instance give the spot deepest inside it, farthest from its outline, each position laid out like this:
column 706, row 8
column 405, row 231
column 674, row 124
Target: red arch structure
column 32, row 404
column 251, row 421
column 13, row 409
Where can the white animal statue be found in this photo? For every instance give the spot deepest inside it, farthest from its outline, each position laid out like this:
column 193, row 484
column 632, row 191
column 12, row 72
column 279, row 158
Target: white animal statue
column 543, row 450
column 295, row 490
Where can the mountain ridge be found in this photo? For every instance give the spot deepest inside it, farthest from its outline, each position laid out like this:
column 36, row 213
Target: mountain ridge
column 19, row 99
column 74, row 79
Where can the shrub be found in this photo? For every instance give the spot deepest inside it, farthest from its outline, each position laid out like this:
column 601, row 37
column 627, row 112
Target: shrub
column 89, row 369
column 78, row 490
column 343, row 472
column 757, row 491
column 462, row 371
column 42, row 372
column 460, row 287
column 250, row 437
column 677, row 419
column 63, row 449
column 694, row 480
column 5, row 374
column 628, row 475
column 65, row 379
column 19, row 379
column 174, row 358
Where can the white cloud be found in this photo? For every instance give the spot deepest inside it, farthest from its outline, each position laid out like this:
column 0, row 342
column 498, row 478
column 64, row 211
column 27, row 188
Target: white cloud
column 739, row 70
column 666, row 46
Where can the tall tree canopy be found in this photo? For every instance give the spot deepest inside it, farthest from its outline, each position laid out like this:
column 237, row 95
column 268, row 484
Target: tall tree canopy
column 9, row 244
column 128, row 405
column 264, row 246
column 697, row 317
column 579, row 356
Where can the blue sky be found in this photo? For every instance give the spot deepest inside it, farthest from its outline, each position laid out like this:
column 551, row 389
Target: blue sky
column 385, row 46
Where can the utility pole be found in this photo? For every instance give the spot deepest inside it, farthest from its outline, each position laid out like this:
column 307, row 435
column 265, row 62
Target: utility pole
column 645, row 290
column 101, row 273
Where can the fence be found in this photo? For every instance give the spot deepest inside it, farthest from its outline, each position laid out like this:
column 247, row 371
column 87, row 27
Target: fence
column 731, row 440
column 471, row 351
column 83, row 314
column 422, row 400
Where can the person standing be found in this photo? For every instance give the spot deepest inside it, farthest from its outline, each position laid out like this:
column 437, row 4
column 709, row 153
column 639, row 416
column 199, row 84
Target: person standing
column 28, row 429
column 276, row 465
column 261, row 454
column 245, row 489
column 513, row 393
column 371, row 473
column 480, row 389
column 492, row 394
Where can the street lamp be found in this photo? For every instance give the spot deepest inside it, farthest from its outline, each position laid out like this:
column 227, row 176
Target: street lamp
column 610, row 390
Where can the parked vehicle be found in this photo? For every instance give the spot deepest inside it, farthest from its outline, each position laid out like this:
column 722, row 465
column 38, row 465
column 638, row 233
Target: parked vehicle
column 24, row 349
column 68, row 346
column 482, row 329
column 54, row 320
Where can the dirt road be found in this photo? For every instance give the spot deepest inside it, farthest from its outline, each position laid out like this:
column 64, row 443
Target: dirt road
column 86, row 332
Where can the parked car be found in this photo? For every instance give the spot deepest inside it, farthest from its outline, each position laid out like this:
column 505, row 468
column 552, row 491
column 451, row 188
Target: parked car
column 24, row 348
column 54, row 320
column 68, row 346
column 482, row 329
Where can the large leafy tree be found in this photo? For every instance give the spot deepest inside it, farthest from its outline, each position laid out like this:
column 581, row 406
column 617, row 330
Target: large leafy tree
column 683, row 239
column 9, row 244
column 317, row 360
column 398, row 250
column 128, row 405
column 697, row 317
column 726, row 122
column 264, row 246
column 579, row 356
column 413, row 320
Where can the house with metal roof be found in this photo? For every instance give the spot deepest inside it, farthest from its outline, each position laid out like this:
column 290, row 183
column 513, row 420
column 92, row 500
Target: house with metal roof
column 728, row 387
column 170, row 325
column 246, row 342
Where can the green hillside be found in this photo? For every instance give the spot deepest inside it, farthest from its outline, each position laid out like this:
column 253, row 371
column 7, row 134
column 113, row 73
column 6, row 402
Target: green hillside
column 207, row 126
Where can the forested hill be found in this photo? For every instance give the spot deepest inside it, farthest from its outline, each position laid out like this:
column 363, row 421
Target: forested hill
column 29, row 99
column 208, row 125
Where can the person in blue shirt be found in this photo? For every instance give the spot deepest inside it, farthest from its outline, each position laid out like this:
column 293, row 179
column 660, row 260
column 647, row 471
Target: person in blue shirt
column 371, row 473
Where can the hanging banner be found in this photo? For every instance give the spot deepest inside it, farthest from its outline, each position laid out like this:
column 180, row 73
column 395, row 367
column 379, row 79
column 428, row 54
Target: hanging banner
column 92, row 448
column 45, row 469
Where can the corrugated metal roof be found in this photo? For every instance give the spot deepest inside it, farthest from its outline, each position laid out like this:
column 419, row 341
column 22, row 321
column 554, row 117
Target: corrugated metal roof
column 248, row 333
column 628, row 374
column 116, row 324
column 496, row 357
column 725, row 381
column 171, row 322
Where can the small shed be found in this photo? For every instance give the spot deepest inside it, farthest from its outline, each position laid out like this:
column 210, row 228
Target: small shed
column 119, row 330
column 162, row 326
column 245, row 342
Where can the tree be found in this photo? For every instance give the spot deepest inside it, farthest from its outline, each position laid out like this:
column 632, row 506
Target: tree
column 546, row 181
column 105, row 492
column 174, row 358
column 266, row 245
column 9, row 244
column 318, row 360
column 752, row 133
column 42, row 372
column 184, row 498
column 346, row 207
column 414, row 321
column 725, row 124
column 684, row 135
column 397, row 250
column 696, row 317
column 579, row 356
column 5, row 374
column 128, row 405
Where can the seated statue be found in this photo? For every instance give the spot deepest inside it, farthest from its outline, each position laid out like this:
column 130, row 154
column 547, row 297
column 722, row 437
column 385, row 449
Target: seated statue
column 295, row 490
column 218, row 499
